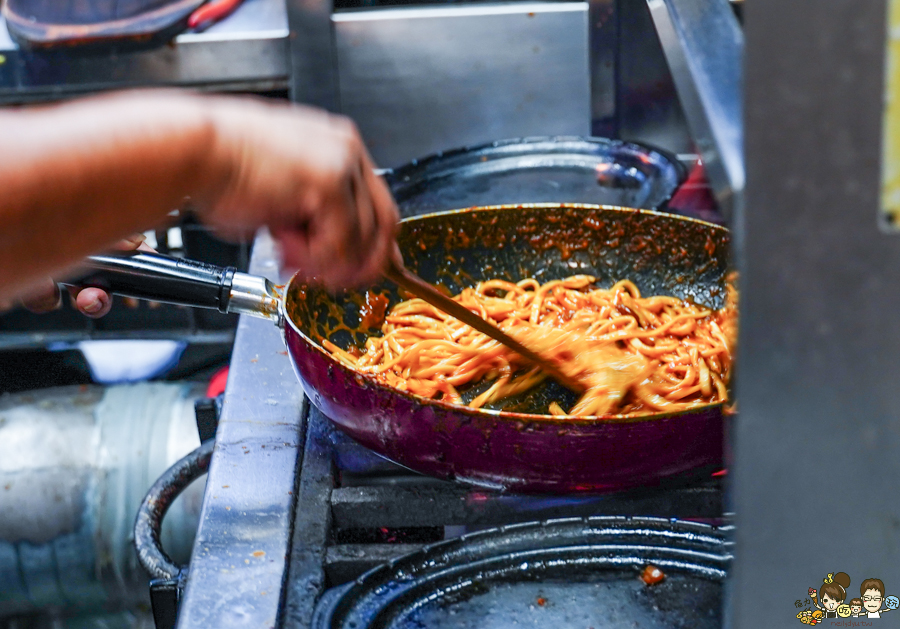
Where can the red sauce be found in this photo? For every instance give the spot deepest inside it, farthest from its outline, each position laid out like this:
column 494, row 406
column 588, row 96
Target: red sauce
column 373, row 310
column 652, row 575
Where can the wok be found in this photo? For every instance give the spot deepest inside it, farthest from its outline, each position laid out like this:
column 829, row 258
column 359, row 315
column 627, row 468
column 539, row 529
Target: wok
column 513, row 446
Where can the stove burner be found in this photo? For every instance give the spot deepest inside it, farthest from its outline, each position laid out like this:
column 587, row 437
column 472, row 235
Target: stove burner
column 574, row 572
column 357, row 511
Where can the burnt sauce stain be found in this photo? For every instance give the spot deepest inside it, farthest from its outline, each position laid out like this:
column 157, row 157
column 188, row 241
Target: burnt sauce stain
column 662, row 254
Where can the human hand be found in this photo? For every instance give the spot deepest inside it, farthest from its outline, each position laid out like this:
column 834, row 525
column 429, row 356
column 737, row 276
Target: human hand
column 307, row 175
column 45, row 296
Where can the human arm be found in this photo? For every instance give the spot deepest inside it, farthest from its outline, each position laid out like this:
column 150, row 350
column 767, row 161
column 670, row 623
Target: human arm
column 76, row 178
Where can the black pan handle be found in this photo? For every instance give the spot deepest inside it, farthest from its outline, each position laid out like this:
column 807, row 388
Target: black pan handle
column 178, row 281
column 148, row 523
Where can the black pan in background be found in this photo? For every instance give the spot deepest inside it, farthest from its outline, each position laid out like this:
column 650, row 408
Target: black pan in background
column 564, row 169
column 576, row 572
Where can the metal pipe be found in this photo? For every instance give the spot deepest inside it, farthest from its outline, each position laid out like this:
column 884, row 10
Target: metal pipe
column 75, row 463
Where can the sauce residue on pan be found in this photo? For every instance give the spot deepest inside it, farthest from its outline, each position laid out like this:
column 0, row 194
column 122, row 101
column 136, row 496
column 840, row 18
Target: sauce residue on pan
column 372, row 310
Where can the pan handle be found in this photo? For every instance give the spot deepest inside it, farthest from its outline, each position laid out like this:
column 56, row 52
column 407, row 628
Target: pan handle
column 167, row 579
column 183, row 282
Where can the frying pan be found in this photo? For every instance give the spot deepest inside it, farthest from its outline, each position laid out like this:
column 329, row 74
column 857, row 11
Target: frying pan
column 513, row 446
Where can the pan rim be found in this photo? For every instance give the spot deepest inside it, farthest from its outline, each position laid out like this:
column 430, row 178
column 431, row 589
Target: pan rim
column 533, row 418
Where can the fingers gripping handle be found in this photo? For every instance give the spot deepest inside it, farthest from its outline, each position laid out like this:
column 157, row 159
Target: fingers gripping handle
column 183, row 282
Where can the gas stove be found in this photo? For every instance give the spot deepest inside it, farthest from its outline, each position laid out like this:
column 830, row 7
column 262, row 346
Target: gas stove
column 295, row 509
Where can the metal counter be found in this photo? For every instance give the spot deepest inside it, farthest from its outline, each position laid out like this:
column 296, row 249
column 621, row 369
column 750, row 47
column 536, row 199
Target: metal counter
column 239, row 561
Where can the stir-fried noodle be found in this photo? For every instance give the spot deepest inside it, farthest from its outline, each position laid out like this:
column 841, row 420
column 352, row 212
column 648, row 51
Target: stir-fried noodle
column 633, row 354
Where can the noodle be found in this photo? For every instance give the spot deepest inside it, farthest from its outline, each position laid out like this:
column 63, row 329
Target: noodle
column 633, row 354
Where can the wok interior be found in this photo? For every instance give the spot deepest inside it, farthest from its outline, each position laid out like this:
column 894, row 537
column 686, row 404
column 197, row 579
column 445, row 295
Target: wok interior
column 662, row 254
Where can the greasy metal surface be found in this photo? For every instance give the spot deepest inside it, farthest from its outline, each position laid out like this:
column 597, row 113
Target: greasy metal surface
column 246, row 51
column 239, row 560
column 703, row 44
column 517, row 449
column 347, row 562
column 312, row 525
column 818, row 442
column 423, row 79
column 189, row 333
column 535, row 170
column 573, row 573
column 148, row 523
column 417, row 505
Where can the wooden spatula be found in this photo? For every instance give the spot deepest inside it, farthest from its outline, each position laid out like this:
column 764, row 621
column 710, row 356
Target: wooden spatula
column 425, row 291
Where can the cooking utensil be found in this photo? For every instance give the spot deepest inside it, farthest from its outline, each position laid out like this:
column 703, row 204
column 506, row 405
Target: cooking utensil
column 515, row 445
column 127, row 24
column 210, row 13
column 426, row 292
